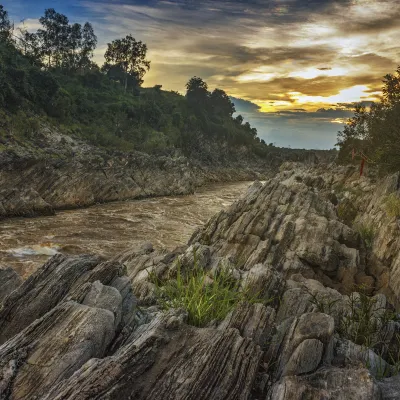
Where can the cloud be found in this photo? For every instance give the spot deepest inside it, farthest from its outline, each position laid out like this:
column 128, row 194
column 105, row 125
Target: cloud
column 244, row 106
column 287, row 63
column 297, row 127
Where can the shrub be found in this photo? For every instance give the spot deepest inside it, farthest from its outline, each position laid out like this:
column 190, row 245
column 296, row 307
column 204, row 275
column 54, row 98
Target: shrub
column 392, row 205
column 367, row 233
column 367, row 325
column 359, row 324
column 347, row 212
column 203, row 298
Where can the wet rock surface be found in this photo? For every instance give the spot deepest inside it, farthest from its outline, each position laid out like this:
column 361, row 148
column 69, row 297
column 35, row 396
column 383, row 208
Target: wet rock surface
column 85, row 328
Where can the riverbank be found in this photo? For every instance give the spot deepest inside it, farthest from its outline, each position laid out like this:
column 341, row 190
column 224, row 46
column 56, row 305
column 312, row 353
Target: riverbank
column 58, row 172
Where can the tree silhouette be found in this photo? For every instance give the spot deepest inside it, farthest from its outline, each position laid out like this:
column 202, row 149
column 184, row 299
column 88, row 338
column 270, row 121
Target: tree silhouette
column 6, row 27
column 126, row 58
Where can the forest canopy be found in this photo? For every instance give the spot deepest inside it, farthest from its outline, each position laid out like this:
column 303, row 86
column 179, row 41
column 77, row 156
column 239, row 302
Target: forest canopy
column 50, row 74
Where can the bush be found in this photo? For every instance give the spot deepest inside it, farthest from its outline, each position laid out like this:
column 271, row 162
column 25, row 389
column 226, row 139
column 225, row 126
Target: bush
column 347, row 212
column 359, row 324
column 203, row 298
column 367, row 233
column 368, row 325
column 392, row 205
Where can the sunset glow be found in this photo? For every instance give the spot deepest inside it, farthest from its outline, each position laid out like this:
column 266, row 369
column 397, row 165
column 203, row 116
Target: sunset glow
column 281, row 55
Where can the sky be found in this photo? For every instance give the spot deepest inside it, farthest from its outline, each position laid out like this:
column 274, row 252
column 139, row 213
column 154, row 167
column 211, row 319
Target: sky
column 292, row 67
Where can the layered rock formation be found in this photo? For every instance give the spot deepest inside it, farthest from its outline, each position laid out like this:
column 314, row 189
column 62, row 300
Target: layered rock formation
column 60, row 172
column 321, row 328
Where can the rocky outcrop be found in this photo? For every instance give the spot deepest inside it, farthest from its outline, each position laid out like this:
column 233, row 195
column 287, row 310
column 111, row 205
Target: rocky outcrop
column 9, row 281
column 57, row 171
column 85, row 328
column 290, row 227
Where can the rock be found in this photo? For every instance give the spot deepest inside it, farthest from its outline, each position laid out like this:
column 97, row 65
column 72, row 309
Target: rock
column 329, row 384
column 306, row 358
column 106, row 298
column 41, row 292
column 169, row 360
column 9, row 281
column 196, row 256
column 390, row 388
column 349, row 353
column 82, row 328
column 255, row 322
column 52, row 348
column 286, row 225
column 61, row 278
column 287, row 352
column 26, row 202
column 265, row 282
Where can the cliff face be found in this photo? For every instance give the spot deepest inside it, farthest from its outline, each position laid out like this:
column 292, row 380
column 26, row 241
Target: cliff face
column 67, row 173
column 322, row 326
column 59, row 172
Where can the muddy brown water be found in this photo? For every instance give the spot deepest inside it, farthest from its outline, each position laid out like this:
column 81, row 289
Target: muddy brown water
column 108, row 229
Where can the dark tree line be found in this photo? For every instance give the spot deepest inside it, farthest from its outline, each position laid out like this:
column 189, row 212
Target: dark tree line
column 51, row 73
column 69, row 47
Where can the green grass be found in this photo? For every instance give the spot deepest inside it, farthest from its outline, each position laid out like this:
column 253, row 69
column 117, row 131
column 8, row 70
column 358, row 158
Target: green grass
column 205, row 299
column 392, row 205
column 347, row 212
column 359, row 324
column 367, row 233
column 366, row 324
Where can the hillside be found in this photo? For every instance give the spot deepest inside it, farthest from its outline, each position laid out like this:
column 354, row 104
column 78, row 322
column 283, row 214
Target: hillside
column 98, row 110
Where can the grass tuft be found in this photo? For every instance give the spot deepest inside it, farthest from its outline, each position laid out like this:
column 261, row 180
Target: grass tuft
column 347, row 212
column 205, row 299
column 367, row 232
column 392, row 205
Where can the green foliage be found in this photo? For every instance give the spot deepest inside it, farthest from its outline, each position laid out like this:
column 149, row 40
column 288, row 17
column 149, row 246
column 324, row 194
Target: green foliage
column 392, row 205
column 126, row 61
column 50, row 74
column 347, row 211
column 21, row 83
column 367, row 233
column 6, row 27
column 322, row 304
column 367, row 324
column 375, row 132
column 203, row 298
column 362, row 322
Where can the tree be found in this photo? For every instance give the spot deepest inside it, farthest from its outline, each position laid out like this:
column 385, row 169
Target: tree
column 375, row 131
column 127, row 56
column 73, row 44
column 222, row 104
column 197, row 92
column 6, row 27
column 239, row 119
column 59, row 44
column 31, row 46
column 54, row 36
column 88, row 44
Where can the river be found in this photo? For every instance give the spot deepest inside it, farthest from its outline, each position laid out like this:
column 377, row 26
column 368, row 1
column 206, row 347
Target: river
column 108, row 229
